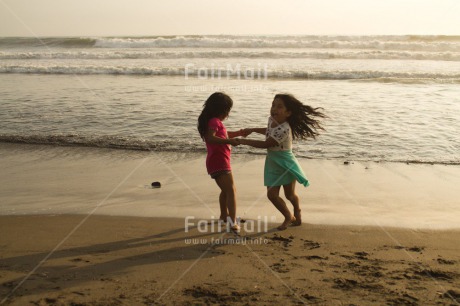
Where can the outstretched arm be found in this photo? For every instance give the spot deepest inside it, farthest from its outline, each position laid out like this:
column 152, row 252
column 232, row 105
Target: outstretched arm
column 269, row 142
column 255, row 130
column 212, row 138
column 235, row 134
column 246, row 132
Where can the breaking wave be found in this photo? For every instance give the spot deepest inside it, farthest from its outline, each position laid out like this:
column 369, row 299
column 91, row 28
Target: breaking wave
column 240, row 73
column 408, row 42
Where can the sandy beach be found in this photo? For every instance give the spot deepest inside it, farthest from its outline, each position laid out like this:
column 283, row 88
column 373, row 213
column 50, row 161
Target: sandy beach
column 150, row 261
column 81, row 226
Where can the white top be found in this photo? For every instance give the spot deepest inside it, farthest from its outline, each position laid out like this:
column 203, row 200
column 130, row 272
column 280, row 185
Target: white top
column 282, row 134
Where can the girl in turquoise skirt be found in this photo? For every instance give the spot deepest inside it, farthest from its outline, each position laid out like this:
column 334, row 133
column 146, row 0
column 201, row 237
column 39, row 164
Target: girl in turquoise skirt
column 289, row 119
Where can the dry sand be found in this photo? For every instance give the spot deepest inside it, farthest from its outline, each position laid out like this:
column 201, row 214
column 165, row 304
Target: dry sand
column 149, row 261
column 80, row 226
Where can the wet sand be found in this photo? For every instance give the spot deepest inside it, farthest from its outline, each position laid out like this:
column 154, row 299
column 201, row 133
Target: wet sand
column 70, row 180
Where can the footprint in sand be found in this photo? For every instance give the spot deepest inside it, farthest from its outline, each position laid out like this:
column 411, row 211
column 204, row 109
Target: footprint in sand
column 286, row 241
column 280, row 267
column 310, row 245
column 445, row 261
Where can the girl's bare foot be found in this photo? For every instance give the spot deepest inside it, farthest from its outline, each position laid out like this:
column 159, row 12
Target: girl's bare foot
column 286, row 222
column 297, row 217
column 235, row 228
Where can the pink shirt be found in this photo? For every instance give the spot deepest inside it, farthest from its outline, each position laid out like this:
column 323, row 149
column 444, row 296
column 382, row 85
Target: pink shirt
column 218, row 158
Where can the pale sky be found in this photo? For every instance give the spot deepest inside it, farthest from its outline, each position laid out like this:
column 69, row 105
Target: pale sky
column 199, row 17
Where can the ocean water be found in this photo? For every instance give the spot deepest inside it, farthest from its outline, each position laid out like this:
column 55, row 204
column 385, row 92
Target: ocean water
column 388, row 98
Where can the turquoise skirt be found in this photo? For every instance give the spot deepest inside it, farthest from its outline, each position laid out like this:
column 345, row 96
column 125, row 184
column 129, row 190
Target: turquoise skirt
column 281, row 168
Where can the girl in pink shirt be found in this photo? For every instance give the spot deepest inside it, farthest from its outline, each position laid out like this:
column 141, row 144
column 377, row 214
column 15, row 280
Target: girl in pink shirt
column 218, row 144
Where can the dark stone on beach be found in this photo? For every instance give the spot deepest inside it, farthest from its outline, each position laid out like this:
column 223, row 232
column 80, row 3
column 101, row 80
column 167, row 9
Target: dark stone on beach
column 156, row 184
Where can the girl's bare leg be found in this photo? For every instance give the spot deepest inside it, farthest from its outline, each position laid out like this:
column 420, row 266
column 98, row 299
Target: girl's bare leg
column 226, row 184
column 289, row 192
column 223, row 206
column 273, row 196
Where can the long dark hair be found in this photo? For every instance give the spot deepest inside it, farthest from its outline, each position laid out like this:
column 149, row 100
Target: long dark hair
column 304, row 119
column 218, row 104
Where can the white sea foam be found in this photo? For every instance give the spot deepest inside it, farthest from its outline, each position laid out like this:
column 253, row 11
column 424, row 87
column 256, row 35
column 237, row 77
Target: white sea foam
column 320, row 42
column 238, row 53
column 384, row 76
column 411, row 43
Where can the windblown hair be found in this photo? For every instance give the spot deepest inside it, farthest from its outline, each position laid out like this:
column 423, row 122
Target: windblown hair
column 304, row 119
column 218, row 104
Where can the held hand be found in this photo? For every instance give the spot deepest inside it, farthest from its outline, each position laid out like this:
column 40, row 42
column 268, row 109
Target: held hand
column 241, row 141
column 234, row 142
column 245, row 132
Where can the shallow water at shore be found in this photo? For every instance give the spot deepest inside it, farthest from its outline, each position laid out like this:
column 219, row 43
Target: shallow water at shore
column 367, row 121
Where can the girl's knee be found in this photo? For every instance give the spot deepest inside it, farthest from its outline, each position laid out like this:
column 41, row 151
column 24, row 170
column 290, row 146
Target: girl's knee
column 292, row 197
column 231, row 190
column 272, row 195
